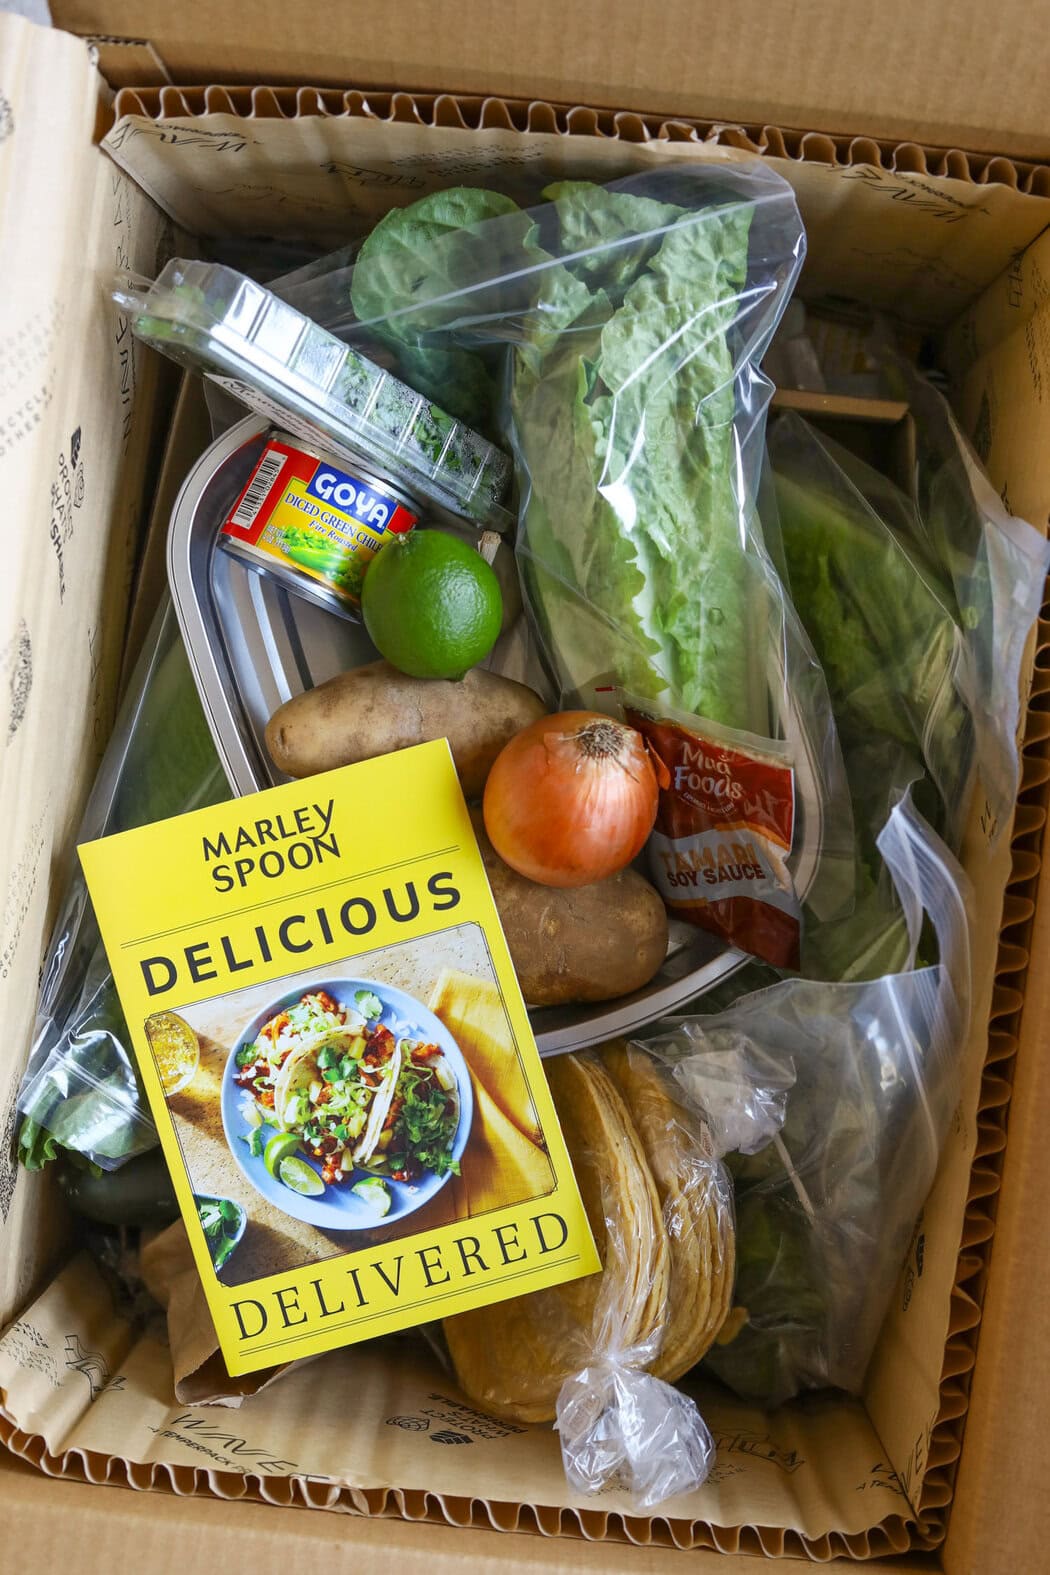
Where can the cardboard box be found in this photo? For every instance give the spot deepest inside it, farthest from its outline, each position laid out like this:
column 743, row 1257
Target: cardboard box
column 951, row 241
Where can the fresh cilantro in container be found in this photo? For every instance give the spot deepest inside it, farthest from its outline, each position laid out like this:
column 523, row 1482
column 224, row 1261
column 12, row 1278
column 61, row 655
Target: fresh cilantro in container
column 223, row 1223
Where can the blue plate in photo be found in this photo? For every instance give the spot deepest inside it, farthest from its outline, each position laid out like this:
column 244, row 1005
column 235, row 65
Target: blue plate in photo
column 338, row 1208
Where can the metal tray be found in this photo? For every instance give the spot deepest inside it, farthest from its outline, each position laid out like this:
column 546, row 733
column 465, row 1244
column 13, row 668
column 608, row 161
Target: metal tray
column 252, row 645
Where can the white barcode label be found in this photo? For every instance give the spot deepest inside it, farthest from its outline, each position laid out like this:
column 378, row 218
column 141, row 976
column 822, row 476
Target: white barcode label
column 258, row 490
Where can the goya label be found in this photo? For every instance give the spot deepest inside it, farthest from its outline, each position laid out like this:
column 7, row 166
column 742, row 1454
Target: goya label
column 315, row 519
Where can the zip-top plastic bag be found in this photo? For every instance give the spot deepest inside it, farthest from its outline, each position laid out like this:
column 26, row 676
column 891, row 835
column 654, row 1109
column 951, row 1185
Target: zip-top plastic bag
column 826, row 1208
column 995, row 567
column 611, row 336
column 918, row 610
column 80, row 1091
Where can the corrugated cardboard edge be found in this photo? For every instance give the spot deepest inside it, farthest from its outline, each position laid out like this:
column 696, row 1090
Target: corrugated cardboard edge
column 1013, row 964
column 473, row 114
column 239, row 1537
column 974, row 71
column 896, row 1534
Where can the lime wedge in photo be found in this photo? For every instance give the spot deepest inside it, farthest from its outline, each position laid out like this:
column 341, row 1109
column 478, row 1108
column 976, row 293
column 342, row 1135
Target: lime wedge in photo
column 375, row 1192
column 279, row 1147
column 300, row 1177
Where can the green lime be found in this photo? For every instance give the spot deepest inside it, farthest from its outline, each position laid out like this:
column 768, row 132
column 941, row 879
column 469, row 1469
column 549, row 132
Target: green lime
column 375, row 1192
column 300, row 1177
column 279, row 1147
column 431, row 605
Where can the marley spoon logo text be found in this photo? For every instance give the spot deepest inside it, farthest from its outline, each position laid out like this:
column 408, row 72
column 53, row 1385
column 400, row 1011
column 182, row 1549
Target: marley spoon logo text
column 305, row 833
column 293, row 840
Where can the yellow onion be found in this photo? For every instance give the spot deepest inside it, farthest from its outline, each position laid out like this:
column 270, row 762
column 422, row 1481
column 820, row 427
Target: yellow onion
column 572, row 798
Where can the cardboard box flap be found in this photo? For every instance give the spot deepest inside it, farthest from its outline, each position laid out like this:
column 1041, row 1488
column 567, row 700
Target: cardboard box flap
column 76, row 434
column 897, row 70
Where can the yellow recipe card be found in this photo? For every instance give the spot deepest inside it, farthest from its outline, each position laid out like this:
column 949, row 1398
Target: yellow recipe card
column 338, row 1058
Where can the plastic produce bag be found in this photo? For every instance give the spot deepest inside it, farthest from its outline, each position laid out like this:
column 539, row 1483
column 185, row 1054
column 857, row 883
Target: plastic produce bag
column 600, row 1355
column 80, row 1091
column 612, row 337
column 826, row 1207
column 995, row 566
column 919, row 615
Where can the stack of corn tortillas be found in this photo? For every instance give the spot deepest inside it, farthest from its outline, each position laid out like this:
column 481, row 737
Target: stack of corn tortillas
column 659, row 1209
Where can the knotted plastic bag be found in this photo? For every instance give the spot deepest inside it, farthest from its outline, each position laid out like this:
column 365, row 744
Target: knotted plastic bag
column 600, row 1356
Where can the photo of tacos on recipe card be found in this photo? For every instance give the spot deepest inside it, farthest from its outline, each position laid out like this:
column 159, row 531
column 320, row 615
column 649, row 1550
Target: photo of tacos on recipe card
column 332, row 1111
column 349, row 1104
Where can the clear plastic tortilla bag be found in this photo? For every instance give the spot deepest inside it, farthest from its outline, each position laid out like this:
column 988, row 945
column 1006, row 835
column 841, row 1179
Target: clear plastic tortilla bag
column 826, row 1208
column 80, row 1091
column 601, row 1356
column 611, row 336
column 620, row 1418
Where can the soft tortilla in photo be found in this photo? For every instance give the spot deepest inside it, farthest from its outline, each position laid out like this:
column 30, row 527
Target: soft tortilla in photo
column 300, row 1069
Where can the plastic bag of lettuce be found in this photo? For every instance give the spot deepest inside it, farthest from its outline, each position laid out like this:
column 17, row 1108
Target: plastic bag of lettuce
column 80, row 1095
column 611, row 337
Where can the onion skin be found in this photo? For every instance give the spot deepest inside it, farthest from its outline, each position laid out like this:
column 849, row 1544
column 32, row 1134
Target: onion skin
column 571, row 799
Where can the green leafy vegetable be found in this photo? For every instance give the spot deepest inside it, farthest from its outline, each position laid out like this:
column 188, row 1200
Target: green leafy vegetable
column 633, row 555
column 89, row 1100
column 256, row 1140
column 881, row 622
column 97, row 1120
column 416, row 258
column 36, row 1146
column 618, row 233
column 368, row 1004
column 425, row 1128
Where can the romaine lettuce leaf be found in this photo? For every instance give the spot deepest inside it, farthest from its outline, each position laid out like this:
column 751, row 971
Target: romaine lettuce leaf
column 883, row 625
column 626, row 431
column 617, row 232
column 621, row 413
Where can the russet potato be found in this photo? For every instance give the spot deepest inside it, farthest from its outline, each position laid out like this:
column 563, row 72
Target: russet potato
column 374, row 710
